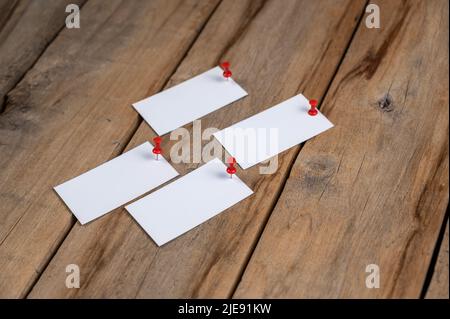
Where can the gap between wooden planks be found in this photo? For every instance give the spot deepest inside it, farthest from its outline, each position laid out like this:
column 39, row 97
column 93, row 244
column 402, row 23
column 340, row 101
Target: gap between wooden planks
column 276, row 52
column 374, row 190
column 72, row 111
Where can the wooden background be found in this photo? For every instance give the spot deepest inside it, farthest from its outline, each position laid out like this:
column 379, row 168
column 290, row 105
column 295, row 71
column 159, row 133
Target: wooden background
column 372, row 190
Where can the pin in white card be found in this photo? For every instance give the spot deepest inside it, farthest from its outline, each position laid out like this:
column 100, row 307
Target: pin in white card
column 188, row 201
column 115, row 183
column 189, row 100
column 272, row 131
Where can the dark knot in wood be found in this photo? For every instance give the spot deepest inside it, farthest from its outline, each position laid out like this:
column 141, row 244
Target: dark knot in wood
column 386, row 103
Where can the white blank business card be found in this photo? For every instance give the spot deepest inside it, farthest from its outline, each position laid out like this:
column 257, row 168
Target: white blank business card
column 189, row 100
column 115, row 183
column 272, row 131
column 188, row 201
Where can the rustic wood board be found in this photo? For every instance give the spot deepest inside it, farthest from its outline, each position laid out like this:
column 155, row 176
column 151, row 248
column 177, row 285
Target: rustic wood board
column 275, row 53
column 72, row 112
column 438, row 288
column 374, row 189
column 26, row 28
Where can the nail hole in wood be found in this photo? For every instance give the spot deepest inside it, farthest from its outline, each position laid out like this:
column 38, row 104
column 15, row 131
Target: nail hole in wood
column 386, row 103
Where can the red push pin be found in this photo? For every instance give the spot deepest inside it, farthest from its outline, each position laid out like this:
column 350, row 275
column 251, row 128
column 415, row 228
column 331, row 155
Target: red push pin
column 225, row 65
column 157, row 149
column 231, row 169
column 226, row 70
column 313, row 110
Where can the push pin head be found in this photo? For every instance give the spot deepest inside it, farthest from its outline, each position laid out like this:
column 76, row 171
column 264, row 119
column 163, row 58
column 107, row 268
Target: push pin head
column 225, row 65
column 231, row 169
column 313, row 110
column 157, row 149
column 226, row 69
column 227, row 74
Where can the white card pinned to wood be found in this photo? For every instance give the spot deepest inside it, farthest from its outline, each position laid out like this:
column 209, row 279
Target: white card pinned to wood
column 188, row 201
column 272, row 131
column 189, row 100
column 115, row 183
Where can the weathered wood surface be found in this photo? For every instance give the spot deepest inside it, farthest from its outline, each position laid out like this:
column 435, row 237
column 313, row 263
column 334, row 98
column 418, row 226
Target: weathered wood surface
column 439, row 287
column 26, row 28
column 275, row 54
column 374, row 189
column 371, row 190
column 72, row 112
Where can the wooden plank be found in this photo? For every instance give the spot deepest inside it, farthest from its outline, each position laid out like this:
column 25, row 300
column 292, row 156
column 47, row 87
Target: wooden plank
column 275, row 54
column 26, row 28
column 374, row 189
column 73, row 111
column 438, row 288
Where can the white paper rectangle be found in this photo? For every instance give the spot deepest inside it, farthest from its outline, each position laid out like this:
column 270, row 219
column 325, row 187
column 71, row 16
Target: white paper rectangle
column 188, row 202
column 272, row 131
column 188, row 101
column 115, row 183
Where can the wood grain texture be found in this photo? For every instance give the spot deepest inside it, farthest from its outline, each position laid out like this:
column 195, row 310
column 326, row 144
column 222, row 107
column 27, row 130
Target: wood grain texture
column 439, row 287
column 72, row 112
column 26, row 28
column 275, row 54
column 374, row 189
